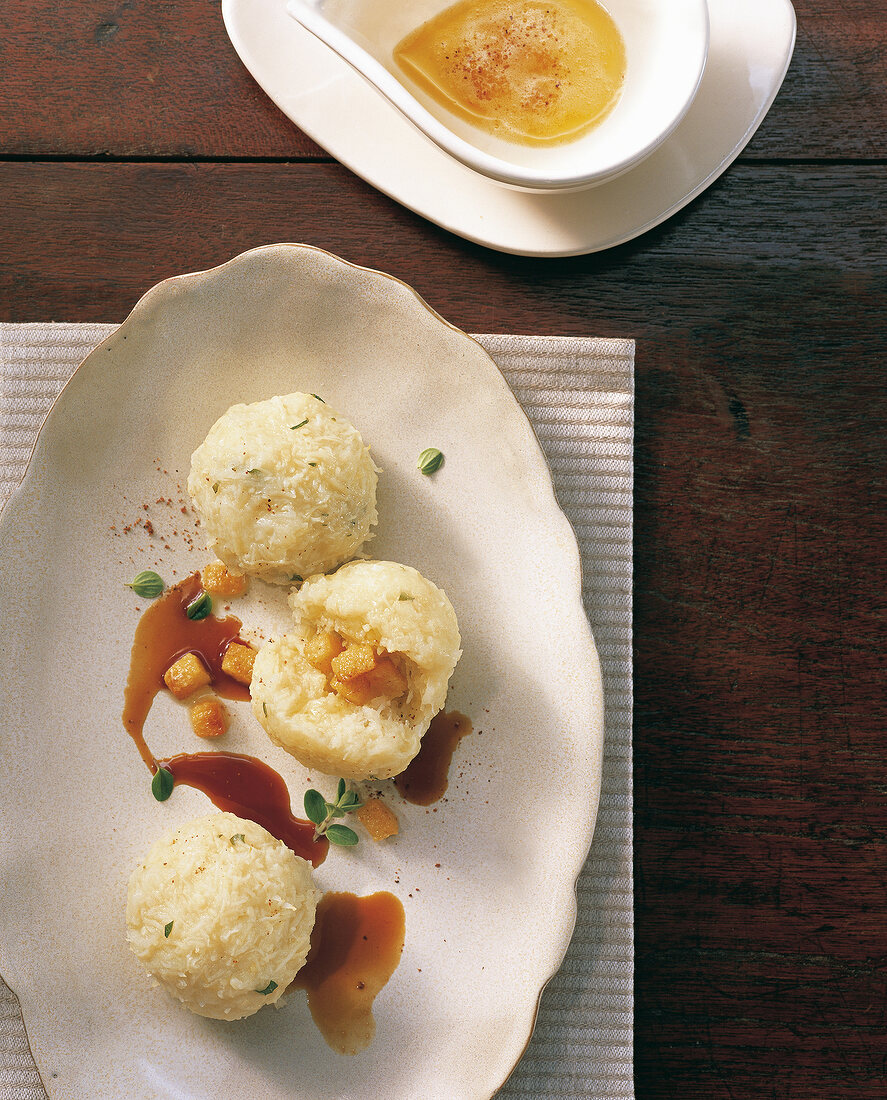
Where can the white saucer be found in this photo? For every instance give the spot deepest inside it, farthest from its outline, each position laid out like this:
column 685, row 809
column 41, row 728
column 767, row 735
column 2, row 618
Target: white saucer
column 751, row 46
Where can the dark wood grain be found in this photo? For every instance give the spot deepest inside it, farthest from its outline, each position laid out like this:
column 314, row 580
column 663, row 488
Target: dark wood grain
column 186, row 94
column 759, row 311
column 772, row 262
column 132, row 78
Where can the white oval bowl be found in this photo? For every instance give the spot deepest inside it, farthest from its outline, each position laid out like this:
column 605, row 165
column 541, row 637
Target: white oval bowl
column 666, row 47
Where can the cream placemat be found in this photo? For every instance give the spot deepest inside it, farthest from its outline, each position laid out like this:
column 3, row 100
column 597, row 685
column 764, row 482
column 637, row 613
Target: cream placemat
column 579, row 396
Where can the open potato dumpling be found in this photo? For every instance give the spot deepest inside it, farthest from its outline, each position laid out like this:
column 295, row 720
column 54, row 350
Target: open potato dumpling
column 353, row 687
column 284, row 488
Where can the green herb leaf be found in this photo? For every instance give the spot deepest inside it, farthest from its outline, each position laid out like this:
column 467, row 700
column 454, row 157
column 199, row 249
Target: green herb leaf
column 295, row 578
column 301, row 424
column 312, row 463
column 323, row 813
column 238, row 836
column 147, row 584
column 341, row 835
column 254, row 470
column 162, row 784
column 320, row 399
column 167, row 928
column 405, row 596
column 265, row 709
column 199, row 607
column 269, row 988
column 215, row 486
column 315, row 806
column 430, row 459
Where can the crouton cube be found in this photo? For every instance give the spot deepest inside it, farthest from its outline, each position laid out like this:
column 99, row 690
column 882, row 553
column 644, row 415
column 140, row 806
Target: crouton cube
column 356, row 691
column 209, row 717
column 383, row 680
column 320, row 651
column 186, row 676
column 386, row 678
column 219, row 580
column 238, row 662
column 378, row 819
column 354, row 660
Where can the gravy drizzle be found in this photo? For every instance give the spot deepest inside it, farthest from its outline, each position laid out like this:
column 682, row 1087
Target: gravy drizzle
column 245, row 786
column 241, row 784
column 163, row 634
column 426, row 777
column 356, row 946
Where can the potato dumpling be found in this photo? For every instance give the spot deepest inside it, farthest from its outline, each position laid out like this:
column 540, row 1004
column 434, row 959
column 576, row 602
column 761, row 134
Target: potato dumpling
column 220, row 913
column 284, row 488
column 353, row 687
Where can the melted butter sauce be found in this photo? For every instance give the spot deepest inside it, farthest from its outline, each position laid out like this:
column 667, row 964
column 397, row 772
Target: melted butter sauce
column 535, row 72
column 356, row 946
column 426, row 777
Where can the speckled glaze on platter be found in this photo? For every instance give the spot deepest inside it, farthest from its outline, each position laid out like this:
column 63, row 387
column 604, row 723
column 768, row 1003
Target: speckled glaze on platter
column 750, row 48
column 488, row 887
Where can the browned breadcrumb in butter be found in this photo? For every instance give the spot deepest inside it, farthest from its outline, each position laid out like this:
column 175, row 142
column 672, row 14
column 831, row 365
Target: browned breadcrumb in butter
column 378, row 819
column 238, row 662
column 186, row 676
column 219, row 580
column 209, row 717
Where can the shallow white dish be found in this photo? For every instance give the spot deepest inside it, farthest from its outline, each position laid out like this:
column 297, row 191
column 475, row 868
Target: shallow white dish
column 666, row 46
column 750, row 48
column 488, row 927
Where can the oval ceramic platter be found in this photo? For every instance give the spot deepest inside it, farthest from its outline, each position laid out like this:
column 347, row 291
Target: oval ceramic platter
column 751, row 44
column 486, row 876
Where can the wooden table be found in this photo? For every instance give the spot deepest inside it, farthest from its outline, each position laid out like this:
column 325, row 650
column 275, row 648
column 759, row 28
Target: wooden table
column 135, row 146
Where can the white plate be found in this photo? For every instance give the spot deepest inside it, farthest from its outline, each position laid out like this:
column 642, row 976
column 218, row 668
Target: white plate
column 750, row 48
column 488, row 927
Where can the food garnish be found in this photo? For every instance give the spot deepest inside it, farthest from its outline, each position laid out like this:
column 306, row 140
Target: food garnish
column 301, row 424
column 323, row 813
column 199, row 607
column 430, row 459
column 147, row 584
column 209, row 718
column 379, row 820
column 162, row 784
column 238, row 661
column 219, row 580
column 167, row 929
column 269, row 988
column 186, row 676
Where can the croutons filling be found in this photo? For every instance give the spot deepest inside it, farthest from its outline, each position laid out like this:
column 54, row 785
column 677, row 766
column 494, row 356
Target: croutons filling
column 379, row 820
column 357, row 671
column 209, row 717
column 219, row 580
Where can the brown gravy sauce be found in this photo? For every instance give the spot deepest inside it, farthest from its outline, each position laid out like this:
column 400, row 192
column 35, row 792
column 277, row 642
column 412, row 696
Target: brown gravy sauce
column 240, row 784
column 426, row 777
column 163, row 634
column 356, row 946
column 245, row 786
